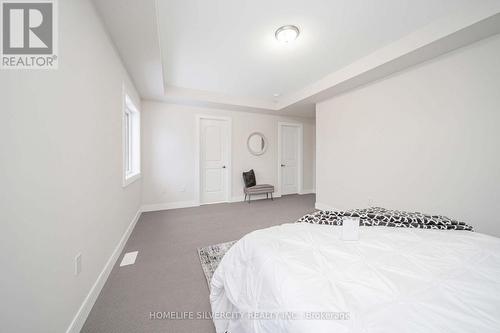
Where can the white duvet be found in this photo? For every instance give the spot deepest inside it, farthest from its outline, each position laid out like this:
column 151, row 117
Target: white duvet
column 302, row 278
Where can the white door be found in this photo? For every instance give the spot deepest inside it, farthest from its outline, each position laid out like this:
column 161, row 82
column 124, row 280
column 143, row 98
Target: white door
column 214, row 173
column 289, row 159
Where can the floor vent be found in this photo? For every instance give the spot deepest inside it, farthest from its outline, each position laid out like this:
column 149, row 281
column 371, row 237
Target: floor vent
column 129, row 258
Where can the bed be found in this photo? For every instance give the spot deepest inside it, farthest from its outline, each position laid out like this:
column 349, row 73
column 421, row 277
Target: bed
column 301, row 277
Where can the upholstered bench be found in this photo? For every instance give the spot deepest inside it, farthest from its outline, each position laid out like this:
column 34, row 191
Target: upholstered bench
column 259, row 189
column 251, row 187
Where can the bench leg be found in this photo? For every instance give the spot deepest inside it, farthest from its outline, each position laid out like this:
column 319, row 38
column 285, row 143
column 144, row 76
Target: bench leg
column 245, row 198
column 272, row 196
column 249, row 198
column 267, row 195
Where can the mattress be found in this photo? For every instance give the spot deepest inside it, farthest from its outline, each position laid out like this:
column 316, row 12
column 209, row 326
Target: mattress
column 302, row 278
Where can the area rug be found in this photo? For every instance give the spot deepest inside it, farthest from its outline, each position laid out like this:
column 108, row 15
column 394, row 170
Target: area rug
column 210, row 257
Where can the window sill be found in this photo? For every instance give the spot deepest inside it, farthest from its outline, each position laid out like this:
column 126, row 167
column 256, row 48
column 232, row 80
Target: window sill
column 130, row 179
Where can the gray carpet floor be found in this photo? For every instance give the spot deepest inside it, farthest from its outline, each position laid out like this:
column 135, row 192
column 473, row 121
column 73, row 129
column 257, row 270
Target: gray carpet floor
column 167, row 276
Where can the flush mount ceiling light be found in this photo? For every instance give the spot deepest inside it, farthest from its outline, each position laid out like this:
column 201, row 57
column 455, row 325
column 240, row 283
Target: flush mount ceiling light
column 287, row 33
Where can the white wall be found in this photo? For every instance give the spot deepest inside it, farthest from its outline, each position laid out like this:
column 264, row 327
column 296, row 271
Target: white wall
column 61, row 176
column 426, row 139
column 169, row 133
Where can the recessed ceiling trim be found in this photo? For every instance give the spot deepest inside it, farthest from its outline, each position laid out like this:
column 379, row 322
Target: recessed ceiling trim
column 134, row 31
column 423, row 45
column 179, row 93
column 445, row 35
column 157, row 25
column 438, row 38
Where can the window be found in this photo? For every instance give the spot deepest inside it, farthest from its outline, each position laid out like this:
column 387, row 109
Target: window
column 131, row 142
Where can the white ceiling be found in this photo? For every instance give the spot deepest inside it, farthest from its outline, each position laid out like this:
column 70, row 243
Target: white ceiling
column 228, row 46
column 223, row 53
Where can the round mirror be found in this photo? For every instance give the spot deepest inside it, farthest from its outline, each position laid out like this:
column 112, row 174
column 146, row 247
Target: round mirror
column 257, row 143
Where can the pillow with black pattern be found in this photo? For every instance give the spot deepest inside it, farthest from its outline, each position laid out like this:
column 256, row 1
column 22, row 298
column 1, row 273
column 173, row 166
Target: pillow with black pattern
column 249, row 178
column 377, row 216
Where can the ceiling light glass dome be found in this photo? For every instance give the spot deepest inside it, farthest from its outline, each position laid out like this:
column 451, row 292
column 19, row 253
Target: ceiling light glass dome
column 287, row 33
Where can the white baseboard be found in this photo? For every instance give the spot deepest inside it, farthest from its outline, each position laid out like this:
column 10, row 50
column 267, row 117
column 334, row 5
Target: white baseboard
column 169, row 205
column 241, row 198
column 186, row 204
column 322, row 206
column 308, row 191
column 84, row 310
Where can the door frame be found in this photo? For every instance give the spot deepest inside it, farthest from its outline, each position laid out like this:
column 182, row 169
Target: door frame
column 300, row 149
column 197, row 159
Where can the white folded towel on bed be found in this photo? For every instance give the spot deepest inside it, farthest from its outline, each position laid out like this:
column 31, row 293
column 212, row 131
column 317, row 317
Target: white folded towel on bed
column 350, row 228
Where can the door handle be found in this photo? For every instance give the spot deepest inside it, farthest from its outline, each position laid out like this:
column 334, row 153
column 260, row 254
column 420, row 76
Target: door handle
column 223, row 167
column 283, row 165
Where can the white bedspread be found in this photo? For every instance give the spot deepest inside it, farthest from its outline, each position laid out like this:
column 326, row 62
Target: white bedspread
column 391, row 280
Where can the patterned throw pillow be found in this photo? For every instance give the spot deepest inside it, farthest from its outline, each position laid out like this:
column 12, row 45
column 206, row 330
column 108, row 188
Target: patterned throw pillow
column 377, row 216
column 249, row 178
